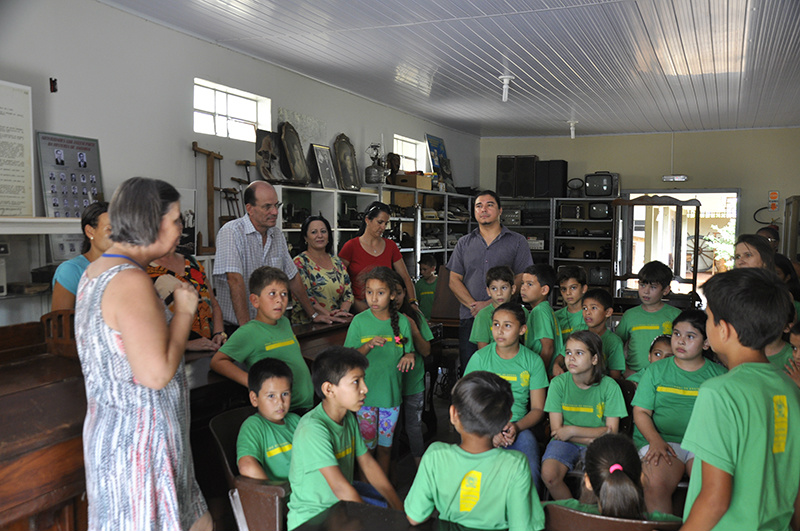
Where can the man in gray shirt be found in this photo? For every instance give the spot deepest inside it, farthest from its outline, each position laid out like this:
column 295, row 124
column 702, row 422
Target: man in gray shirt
column 488, row 246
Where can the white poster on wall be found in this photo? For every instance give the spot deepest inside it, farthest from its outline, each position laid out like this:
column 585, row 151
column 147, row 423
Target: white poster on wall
column 16, row 150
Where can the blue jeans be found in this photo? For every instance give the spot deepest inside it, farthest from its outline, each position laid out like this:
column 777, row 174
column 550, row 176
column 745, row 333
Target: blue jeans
column 414, row 405
column 465, row 348
column 526, row 443
column 369, row 494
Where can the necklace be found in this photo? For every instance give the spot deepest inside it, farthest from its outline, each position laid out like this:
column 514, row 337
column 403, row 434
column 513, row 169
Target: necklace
column 373, row 250
column 126, row 257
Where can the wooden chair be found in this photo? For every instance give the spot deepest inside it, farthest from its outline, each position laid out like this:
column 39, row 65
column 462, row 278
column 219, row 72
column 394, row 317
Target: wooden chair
column 560, row 518
column 59, row 333
column 263, row 502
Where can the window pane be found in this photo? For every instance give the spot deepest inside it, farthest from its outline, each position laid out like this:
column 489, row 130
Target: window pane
column 222, row 125
column 242, row 108
column 203, row 123
column 203, row 98
column 222, row 105
column 241, row 130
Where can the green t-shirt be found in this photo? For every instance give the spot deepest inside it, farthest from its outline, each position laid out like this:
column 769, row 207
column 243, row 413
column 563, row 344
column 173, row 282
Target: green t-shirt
column 414, row 380
column 592, row 509
column 639, row 328
column 320, row 442
column 637, row 376
column 569, row 322
column 489, row 490
column 747, row 424
column 613, row 352
column 782, row 358
column 670, row 393
column 269, row 443
column 588, row 408
column 382, row 377
column 482, row 326
column 425, row 292
column 542, row 323
column 255, row 341
column 524, row 372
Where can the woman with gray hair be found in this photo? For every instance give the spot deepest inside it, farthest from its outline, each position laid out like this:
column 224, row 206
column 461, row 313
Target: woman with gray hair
column 139, row 472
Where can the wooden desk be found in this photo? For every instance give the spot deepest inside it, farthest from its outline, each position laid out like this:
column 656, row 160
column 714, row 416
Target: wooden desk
column 352, row 516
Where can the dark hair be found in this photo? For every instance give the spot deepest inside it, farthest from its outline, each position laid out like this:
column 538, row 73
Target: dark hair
column 501, row 273
column 772, row 231
column 333, row 363
column 544, row 273
column 567, row 272
column 265, row 369
column 483, row 401
column 137, row 207
column 783, row 263
column 386, row 275
column 304, row 233
column 514, row 309
column 491, row 193
column 795, row 329
column 601, row 296
column 406, row 308
column 595, row 346
column 753, row 301
column 428, row 260
column 696, row 318
column 656, row 272
column 761, row 246
column 264, row 276
column 371, row 212
column 90, row 218
column 663, row 338
column 619, row 493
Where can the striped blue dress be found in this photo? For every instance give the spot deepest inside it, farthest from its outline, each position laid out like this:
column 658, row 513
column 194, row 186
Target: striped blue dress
column 139, row 471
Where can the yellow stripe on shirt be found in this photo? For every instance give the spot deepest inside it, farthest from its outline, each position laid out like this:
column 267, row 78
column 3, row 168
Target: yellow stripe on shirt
column 676, row 391
column 368, row 339
column 645, row 327
column 279, row 450
column 279, row 345
column 425, row 293
column 579, row 409
column 346, row 451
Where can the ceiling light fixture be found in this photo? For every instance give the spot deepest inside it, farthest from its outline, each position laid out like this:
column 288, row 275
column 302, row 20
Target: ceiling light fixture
column 506, row 79
column 572, row 124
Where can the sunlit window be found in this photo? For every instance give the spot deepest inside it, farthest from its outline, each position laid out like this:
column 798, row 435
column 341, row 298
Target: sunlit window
column 412, row 153
column 228, row 112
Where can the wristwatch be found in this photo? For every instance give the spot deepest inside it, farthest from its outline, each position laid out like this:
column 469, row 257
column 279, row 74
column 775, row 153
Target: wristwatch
column 314, row 315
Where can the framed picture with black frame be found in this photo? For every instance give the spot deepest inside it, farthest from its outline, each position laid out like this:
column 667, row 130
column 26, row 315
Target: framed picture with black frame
column 346, row 167
column 323, row 166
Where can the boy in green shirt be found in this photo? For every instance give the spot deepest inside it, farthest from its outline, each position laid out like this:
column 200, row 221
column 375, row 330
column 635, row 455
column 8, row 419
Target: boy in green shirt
column 269, row 335
column 425, row 287
column 640, row 325
column 264, row 446
column 500, row 287
column 544, row 334
column 745, row 425
column 572, row 281
column 327, row 442
column 474, row 484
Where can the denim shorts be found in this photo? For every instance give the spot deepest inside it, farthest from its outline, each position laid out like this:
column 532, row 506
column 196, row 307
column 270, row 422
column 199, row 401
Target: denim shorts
column 566, row 453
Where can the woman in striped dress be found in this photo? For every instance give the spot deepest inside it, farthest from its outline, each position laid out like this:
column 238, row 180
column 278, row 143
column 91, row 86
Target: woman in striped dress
column 139, row 472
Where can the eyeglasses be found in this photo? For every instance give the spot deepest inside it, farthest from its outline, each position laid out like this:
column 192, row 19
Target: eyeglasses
column 772, row 240
column 266, row 207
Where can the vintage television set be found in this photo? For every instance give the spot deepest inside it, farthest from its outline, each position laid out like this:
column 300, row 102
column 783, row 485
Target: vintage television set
column 599, row 211
column 601, row 184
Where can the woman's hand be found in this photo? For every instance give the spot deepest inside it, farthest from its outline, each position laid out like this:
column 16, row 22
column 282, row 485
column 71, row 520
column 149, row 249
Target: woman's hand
column 202, row 343
column 407, row 362
column 186, row 298
column 219, row 339
column 658, row 450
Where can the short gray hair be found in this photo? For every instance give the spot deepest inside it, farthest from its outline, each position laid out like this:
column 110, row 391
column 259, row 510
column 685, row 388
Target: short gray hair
column 137, row 207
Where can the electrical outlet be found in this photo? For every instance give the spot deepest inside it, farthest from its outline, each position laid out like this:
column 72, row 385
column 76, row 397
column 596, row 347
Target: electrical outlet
column 4, row 248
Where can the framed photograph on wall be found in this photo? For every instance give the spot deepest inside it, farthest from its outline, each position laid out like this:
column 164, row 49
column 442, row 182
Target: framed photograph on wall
column 293, row 153
column 268, row 156
column 346, row 167
column 16, row 161
column 324, row 166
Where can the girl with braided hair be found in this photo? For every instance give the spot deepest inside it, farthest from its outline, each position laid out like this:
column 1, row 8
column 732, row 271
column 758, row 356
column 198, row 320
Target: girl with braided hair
column 384, row 335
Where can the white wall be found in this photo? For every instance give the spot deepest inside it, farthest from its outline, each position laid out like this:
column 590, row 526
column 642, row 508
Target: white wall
column 128, row 82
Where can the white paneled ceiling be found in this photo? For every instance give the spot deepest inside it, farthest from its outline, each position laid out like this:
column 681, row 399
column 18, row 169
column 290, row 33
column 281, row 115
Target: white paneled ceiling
column 613, row 66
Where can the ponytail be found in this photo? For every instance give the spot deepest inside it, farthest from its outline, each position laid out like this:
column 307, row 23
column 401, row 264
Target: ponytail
column 394, row 319
column 615, row 473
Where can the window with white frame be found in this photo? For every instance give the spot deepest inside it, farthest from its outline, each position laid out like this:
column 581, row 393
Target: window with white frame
column 229, row 112
column 412, row 153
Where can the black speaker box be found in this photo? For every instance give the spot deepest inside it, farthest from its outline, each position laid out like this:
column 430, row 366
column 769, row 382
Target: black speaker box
column 525, row 169
column 551, row 178
column 506, row 182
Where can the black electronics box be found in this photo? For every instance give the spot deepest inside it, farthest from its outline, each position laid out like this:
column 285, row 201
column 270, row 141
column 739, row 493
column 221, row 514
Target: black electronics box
column 535, row 217
column 601, row 184
column 570, row 212
column 599, row 276
column 599, row 211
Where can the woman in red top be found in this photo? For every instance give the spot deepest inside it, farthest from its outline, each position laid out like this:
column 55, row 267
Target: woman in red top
column 370, row 249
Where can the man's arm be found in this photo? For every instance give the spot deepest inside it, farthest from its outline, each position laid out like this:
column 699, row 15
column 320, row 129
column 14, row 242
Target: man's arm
column 712, row 502
column 795, row 524
column 238, row 297
column 461, row 292
column 374, row 474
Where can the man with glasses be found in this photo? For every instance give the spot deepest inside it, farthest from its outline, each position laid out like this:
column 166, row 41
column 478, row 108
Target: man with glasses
column 244, row 245
column 488, row 246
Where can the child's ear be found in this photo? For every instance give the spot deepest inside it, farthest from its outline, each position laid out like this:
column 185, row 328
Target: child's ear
column 513, row 288
column 523, row 330
column 488, row 292
column 587, row 483
column 584, row 289
column 254, row 300
column 665, row 292
column 253, row 399
column 545, row 290
column 454, row 416
column 327, row 389
column 595, row 359
column 609, row 312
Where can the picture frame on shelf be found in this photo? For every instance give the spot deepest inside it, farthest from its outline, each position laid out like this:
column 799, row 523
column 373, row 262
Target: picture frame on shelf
column 268, row 156
column 293, row 153
column 323, row 166
column 345, row 163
